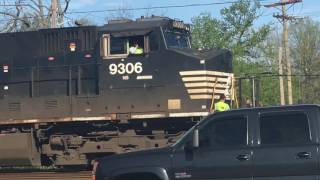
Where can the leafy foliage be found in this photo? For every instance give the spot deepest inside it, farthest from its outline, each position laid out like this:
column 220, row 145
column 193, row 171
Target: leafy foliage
column 256, row 51
column 234, row 31
column 207, row 32
column 305, row 52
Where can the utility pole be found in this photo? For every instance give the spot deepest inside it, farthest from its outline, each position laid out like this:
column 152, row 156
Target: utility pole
column 285, row 52
column 54, row 15
column 282, row 99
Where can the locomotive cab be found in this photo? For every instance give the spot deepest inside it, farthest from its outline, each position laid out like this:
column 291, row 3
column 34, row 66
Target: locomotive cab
column 190, row 79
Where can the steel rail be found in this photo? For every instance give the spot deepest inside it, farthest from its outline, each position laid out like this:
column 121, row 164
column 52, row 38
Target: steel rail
column 83, row 175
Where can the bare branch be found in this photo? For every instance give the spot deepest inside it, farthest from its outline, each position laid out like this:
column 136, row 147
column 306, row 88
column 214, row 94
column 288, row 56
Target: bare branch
column 66, row 6
column 28, row 14
column 32, row 7
column 40, row 5
column 15, row 17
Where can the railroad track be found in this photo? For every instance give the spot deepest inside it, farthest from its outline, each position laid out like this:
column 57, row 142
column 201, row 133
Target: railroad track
column 84, row 175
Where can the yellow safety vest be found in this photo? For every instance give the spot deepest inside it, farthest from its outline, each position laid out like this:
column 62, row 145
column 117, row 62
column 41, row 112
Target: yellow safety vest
column 221, row 106
column 139, row 51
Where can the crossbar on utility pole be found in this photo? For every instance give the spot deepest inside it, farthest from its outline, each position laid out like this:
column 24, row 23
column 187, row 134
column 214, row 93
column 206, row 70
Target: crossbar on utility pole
column 283, row 3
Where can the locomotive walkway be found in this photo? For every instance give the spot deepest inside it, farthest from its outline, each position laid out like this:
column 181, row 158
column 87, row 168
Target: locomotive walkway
column 84, row 175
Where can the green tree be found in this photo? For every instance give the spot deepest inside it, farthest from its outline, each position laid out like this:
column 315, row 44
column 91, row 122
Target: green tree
column 305, row 52
column 207, row 32
column 233, row 31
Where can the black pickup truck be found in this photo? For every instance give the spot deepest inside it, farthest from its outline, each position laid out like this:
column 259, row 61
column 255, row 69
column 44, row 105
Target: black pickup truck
column 279, row 143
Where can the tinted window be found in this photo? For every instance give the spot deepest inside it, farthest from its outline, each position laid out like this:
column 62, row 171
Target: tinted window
column 284, row 128
column 224, row 132
column 118, row 45
column 177, row 40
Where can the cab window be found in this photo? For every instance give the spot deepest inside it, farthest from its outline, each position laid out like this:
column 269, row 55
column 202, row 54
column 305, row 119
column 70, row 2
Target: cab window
column 176, row 39
column 136, row 40
column 121, row 47
column 118, row 46
column 114, row 47
column 139, row 45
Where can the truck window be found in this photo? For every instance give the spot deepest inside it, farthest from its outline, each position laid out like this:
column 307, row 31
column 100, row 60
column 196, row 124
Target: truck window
column 224, row 132
column 283, row 128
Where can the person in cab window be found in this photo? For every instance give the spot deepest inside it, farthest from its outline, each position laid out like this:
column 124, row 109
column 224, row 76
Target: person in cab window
column 221, row 105
column 136, row 49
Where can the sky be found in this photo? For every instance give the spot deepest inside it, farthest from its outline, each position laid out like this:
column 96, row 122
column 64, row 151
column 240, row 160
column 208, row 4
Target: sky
column 310, row 8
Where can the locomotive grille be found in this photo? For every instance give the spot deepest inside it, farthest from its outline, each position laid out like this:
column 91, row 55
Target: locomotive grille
column 51, row 43
column 51, row 104
column 14, row 106
column 203, row 84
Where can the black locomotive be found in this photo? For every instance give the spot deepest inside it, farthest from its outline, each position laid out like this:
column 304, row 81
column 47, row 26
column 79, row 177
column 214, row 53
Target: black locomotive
column 70, row 95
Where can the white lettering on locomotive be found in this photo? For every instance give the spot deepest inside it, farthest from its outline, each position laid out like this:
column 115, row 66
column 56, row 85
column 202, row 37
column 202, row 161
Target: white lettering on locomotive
column 128, row 68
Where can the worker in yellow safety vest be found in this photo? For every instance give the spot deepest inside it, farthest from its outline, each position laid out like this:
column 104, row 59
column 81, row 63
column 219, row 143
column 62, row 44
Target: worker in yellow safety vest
column 221, row 105
column 135, row 49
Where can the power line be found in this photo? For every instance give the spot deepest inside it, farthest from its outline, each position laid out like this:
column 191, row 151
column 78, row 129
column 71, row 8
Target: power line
column 145, row 8
column 13, row 5
column 158, row 7
column 265, row 75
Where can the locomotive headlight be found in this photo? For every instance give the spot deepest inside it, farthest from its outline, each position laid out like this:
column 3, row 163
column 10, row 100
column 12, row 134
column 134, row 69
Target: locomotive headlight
column 72, row 47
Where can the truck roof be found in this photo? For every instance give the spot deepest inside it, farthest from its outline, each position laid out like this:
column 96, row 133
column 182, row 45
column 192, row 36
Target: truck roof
column 276, row 108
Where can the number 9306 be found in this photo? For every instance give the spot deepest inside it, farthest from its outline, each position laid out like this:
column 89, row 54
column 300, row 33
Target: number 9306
column 128, row 68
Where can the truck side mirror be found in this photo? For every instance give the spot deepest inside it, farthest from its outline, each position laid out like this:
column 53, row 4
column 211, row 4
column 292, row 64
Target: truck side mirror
column 195, row 140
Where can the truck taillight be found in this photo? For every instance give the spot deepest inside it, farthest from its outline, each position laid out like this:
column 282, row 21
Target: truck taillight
column 94, row 169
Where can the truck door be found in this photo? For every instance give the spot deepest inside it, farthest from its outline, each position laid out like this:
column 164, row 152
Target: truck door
column 224, row 151
column 287, row 147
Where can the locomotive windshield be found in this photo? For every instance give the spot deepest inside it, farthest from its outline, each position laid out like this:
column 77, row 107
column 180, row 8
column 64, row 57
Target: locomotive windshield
column 176, row 39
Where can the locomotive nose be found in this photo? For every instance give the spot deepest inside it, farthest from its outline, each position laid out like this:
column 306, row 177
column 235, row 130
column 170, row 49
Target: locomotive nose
column 214, row 59
column 217, row 60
